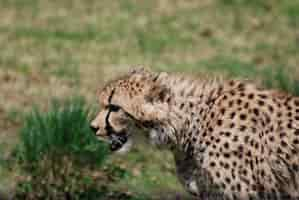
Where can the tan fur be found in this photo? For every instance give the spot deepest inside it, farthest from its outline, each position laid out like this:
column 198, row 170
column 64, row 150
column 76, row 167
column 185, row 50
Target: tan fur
column 230, row 139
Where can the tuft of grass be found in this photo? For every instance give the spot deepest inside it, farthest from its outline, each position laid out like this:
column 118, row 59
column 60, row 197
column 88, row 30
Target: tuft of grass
column 64, row 129
column 60, row 155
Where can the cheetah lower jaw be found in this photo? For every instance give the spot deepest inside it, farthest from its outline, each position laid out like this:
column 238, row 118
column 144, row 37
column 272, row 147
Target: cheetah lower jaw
column 193, row 188
column 126, row 147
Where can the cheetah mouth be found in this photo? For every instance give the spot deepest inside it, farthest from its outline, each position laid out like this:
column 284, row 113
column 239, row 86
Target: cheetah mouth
column 119, row 143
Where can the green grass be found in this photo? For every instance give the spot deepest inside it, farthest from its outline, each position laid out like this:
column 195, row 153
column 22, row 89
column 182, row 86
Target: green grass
column 62, row 130
column 58, row 153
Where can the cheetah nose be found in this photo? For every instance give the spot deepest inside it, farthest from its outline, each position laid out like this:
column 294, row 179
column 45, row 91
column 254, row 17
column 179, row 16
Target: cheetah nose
column 94, row 128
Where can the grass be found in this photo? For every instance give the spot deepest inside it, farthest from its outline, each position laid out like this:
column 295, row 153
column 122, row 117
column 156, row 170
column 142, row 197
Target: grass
column 61, row 48
column 59, row 154
column 63, row 129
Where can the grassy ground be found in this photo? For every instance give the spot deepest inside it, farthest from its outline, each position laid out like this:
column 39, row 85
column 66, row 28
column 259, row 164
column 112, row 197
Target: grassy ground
column 68, row 47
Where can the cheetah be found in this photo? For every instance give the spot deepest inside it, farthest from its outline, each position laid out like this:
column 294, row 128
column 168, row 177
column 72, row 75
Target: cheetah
column 230, row 139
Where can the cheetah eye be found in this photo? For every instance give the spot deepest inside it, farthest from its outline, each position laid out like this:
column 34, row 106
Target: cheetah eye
column 113, row 108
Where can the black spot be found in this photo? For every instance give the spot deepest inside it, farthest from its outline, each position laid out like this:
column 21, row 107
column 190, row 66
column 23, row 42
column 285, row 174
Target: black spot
column 287, row 156
column 243, row 116
column 243, row 128
column 227, row 134
column 283, row 143
column 279, row 151
column 182, row 106
column 282, row 134
column 235, row 138
column 212, row 115
column 190, row 104
column 231, row 83
column 208, row 143
column 223, row 186
column 246, row 105
column 226, row 145
column 251, row 96
column 213, row 164
column 295, row 141
column 271, row 109
column 240, row 148
column 239, row 101
column 254, row 130
column 226, row 166
column 226, row 155
column 168, row 100
column 239, row 187
column 232, row 115
column 256, row 111
column 222, row 111
column 261, row 103
column 227, row 180
column 295, row 167
column 249, row 154
column 262, row 96
column 219, row 122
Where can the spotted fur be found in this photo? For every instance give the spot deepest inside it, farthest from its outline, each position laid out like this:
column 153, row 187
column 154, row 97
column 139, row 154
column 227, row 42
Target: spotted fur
column 230, row 139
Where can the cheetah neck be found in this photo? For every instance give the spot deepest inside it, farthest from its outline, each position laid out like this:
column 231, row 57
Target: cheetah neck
column 191, row 100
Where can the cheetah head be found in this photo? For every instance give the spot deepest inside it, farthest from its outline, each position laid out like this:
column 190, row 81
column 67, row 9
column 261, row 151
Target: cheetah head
column 130, row 103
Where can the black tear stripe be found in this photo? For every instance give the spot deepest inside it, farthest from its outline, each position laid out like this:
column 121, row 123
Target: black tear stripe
column 108, row 126
column 109, row 129
column 111, row 95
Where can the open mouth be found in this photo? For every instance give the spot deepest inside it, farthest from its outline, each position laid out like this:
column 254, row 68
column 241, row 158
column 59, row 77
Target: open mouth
column 117, row 141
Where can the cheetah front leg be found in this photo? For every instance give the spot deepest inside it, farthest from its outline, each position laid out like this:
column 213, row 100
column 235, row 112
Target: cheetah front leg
column 186, row 172
column 195, row 179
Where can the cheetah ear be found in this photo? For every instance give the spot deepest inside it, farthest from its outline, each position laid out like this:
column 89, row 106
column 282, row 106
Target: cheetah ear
column 158, row 92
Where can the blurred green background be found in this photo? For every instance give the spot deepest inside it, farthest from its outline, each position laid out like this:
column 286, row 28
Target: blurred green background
column 64, row 48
